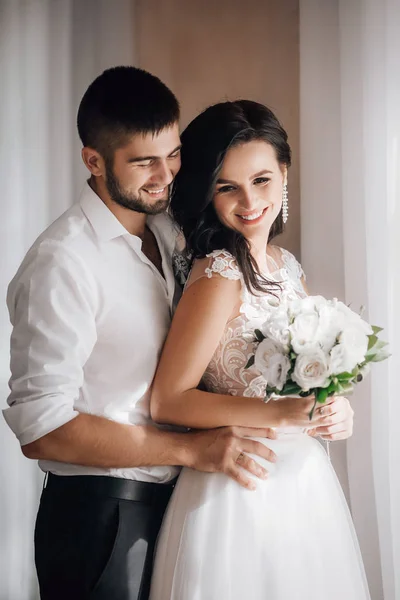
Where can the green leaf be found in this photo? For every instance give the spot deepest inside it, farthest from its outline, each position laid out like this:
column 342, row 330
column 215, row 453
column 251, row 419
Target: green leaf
column 335, row 391
column 250, row 362
column 331, row 389
column 364, row 369
column 345, row 376
column 378, row 352
column 346, row 388
column 376, row 329
column 379, row 356
column 259, row 335
column 290, row 388
column 377, row 346
column 270, row 390
column 321, row 395
column 372, row 339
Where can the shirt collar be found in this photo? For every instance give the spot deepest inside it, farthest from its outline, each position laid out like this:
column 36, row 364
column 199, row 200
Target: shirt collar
column 166, row 229
column 105, row 224
column 107, row 227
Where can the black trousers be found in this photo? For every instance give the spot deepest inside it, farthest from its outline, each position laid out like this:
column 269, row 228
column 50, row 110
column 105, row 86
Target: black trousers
column 95, row 537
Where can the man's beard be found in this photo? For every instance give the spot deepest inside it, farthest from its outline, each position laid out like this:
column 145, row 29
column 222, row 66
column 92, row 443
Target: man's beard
column 130, row 201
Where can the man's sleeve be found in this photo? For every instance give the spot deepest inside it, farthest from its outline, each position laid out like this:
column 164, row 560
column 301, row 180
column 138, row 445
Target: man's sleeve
column 52, row 305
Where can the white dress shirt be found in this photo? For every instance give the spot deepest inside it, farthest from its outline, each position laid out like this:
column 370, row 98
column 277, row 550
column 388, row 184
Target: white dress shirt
column 90, row 313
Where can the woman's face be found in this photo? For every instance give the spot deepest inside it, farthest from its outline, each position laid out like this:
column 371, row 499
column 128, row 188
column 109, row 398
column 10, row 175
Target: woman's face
column 248, row 192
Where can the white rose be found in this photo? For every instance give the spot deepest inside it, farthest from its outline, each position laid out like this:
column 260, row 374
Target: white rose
column 329, row 327
column 311, row 370
column 339, row 362
column 319, row 322
column 255, row 308
column 309, row 304
column 303, row 331
column 276, row 327
column 350, row 352
column 351, row 318
column 273, row 364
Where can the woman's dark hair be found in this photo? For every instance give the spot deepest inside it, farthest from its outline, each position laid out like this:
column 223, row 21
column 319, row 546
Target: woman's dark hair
column 121, row 102
column 205, row 143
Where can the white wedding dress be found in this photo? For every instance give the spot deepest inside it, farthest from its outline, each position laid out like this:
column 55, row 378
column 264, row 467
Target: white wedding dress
column 292, row 538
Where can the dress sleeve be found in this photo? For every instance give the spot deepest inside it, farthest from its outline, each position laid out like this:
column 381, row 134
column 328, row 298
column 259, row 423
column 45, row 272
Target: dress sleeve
column 52, row 303
column 219, row 263
column 223, row 264
column 292, row 265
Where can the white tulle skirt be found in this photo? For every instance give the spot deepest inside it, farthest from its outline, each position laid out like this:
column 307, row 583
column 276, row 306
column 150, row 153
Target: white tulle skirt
column 291, row 539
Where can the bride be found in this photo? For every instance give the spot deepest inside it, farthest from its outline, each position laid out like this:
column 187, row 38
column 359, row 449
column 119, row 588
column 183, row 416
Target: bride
column 292, row 537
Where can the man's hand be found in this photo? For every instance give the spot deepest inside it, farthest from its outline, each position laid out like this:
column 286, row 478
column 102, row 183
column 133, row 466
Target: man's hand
column 89, row 440
column 225, row 450
column 337, row 422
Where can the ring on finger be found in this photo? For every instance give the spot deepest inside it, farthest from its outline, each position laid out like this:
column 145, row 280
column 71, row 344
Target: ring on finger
column 240, row 457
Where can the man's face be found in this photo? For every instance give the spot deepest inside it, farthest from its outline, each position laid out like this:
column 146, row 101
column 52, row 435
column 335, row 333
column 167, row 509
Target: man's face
column 142, row 171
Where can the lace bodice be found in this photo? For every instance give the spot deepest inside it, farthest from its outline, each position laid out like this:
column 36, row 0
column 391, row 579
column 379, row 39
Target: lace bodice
column 226, row 373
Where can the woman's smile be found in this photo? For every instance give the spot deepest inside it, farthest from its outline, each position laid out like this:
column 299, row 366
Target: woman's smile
column 253, row 217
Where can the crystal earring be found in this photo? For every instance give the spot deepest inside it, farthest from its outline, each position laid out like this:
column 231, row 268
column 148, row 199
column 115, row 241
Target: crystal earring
column 285, row 204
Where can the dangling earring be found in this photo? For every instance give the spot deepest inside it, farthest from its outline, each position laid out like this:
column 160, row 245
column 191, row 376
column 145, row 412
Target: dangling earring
column 285, row 204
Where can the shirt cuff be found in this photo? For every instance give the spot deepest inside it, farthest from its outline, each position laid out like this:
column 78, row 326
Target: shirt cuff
column 33, row 419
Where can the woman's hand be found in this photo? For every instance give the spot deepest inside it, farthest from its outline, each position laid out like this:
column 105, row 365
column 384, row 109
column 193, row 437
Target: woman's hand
column 337, row 420
column 332, row 420
column 295, row 412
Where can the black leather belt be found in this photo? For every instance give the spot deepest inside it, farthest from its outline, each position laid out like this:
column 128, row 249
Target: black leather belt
column 111, row 487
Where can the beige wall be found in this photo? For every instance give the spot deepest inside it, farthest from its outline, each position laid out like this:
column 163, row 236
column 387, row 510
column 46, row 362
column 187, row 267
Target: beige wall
column 207, row 51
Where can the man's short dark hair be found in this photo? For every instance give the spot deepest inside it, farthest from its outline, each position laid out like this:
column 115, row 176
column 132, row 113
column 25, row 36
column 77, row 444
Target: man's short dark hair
column 121, row 102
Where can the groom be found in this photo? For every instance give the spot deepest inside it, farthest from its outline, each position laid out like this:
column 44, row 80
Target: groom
column 90, row 306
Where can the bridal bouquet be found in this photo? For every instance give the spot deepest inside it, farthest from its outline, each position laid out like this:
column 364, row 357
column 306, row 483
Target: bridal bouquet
column 315, row 346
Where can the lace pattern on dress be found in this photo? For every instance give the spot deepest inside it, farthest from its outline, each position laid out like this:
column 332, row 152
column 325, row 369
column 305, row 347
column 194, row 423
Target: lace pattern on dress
column 224, row 264
column 226, row 373
column 181, row 260
column 293, row 269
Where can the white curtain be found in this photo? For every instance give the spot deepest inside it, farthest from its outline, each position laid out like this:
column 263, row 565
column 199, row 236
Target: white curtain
column 50, row 50
column 350, row 172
